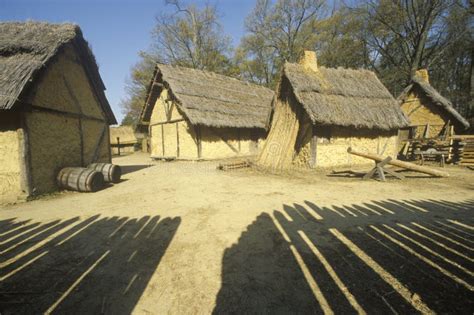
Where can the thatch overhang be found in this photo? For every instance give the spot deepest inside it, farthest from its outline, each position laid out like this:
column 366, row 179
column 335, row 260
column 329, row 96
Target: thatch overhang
column 210, row 99
column 344, row 97
column 27, row 48
column 432, row 94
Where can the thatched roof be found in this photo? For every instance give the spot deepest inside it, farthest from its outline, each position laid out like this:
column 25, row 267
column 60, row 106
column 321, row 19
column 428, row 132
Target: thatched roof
column 443, row 103
column 344, row 97
column 27, row 48
column 210, row 99
column 125, row 133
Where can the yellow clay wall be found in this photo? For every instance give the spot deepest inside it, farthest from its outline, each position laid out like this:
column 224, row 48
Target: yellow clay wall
column 421, row 111
column 55, row 140
column 213, row 147
column 10, row 155
column 332, row 152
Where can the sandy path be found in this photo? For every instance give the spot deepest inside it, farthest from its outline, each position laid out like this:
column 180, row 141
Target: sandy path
column 184, row 238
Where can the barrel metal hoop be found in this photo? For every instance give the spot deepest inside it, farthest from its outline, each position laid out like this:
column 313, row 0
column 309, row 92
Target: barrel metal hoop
column 79, row 178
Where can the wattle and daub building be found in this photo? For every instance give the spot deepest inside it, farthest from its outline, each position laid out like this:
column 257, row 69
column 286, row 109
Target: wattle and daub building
column 195, row 114
column 53, row 110
column 320, row 112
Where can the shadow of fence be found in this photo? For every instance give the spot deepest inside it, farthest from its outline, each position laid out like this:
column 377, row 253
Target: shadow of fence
column 380, row 257
column 96, row 265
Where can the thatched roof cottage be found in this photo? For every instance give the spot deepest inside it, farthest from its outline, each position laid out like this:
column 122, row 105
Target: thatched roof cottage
column 54, row 112
column 429, row 112
column 125, row 137
column 320, row 112
column 196, row 114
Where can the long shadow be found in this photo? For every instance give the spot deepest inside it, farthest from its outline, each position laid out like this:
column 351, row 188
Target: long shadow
column 92, row 266
column 380, row 257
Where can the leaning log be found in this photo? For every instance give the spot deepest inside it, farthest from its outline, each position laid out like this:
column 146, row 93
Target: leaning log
column 398, row 163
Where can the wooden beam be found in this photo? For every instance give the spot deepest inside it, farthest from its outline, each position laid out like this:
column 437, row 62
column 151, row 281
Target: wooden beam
column 398, row 163
column 166, row 122
column 79, row 109
column 37, row 108
column 25, row 158
column 198, row 140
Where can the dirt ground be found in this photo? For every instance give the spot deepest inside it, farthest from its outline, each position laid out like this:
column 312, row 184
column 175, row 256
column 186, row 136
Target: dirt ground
column 185, row 238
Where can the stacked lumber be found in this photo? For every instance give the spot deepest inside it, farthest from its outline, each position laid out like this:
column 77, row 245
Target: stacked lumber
column 233, row 165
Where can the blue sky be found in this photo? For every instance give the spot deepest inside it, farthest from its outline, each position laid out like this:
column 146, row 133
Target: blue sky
column 117, row 30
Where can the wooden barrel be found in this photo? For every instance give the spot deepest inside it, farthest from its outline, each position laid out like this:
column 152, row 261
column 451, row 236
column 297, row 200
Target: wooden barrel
column 111, row 172
column 80, row 179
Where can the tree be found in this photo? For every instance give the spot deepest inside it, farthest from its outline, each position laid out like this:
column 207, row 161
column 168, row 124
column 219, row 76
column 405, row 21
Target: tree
column 135, row 87
column 341, row 40
column 277, row 32
column 189, row 36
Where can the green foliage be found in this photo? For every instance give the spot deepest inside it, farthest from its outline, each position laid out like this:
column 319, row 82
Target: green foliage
column 188, row 37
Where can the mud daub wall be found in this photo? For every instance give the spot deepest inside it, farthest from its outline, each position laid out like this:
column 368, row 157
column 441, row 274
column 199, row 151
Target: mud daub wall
column 55, row 139
column 421, row 111
column 229, row 142
column 172, row 136
column 10, row 155
column 333, row 141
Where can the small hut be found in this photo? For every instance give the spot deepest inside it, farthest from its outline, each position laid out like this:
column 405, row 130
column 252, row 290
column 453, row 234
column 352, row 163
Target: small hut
column 320, row 112
column 125, row 138
column 195, row 114
column 54, row 112
column 431, row 115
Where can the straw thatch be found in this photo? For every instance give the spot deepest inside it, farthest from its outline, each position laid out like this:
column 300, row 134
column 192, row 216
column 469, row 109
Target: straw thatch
column 27, row 48
column 125, row 133
column 344, row 97
column 430, row 92
column 210, row 99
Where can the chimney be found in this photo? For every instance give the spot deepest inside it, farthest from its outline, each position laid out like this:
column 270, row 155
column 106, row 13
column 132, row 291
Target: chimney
column 423, row 74
column 309, row 60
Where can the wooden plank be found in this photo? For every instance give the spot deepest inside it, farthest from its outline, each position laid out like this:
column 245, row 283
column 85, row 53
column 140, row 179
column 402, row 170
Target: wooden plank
column 166, row 122
column 37, row 108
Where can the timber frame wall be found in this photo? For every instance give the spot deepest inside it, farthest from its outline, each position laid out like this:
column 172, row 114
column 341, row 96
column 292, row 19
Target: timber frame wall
column 91, row 145
column 172, row 136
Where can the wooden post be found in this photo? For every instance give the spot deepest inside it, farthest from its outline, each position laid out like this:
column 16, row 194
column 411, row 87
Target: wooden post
column 118, row 145
column 25, row 159
column 198, row 140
